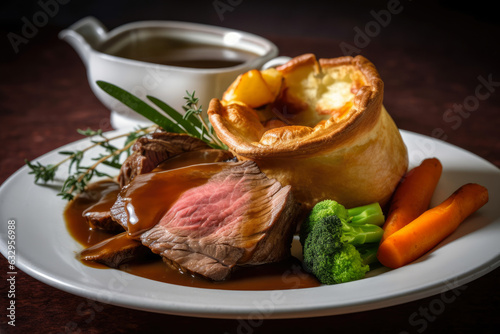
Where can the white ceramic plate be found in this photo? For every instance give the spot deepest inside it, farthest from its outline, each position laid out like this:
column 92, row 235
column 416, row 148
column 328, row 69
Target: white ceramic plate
column 45, row 250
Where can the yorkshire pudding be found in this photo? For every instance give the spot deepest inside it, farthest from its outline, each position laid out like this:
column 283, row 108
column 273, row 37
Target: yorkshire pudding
column 318, row 126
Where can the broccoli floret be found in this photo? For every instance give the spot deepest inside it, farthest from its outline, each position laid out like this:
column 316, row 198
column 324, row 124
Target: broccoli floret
column 337, row 250
column 328, row 257
column 367, row 214
column 320, row 210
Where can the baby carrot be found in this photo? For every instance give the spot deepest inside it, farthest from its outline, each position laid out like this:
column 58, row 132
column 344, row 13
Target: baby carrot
column 431, row 227
column 413, row 195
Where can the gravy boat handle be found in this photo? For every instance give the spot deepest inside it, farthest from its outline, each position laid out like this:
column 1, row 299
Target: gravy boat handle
column 275, row 62
column 84, row 36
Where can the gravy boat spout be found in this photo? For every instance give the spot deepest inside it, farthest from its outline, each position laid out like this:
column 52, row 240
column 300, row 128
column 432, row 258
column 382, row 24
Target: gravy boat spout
column 84, row 36
column 163, row 59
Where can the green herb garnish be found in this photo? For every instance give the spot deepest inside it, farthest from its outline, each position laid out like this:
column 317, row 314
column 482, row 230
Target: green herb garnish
column 79, row 176
column 191, row 123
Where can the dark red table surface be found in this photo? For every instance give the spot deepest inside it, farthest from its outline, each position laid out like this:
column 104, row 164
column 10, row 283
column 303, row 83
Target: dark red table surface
column 432, row 58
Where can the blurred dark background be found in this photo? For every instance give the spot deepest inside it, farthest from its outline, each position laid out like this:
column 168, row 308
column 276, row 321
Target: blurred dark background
column 426, row 23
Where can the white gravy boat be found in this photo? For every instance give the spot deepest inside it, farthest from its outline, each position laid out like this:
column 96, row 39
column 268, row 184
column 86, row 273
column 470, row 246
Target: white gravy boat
column 131, row 57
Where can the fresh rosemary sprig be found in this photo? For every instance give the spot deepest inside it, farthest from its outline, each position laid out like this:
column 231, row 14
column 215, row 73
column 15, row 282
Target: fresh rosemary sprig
column 191, row 123
column 79, row 176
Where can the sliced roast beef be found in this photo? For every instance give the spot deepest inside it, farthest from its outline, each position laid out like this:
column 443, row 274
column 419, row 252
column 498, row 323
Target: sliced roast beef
column 104, row 194
column 98, row 198
column 159, row 150
column 103, row 221
column 115, row 251
column 154, row 148
column 207, row 219
column 194, row 158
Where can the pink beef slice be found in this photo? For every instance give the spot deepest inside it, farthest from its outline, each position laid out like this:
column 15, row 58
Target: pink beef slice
column 159, row 149
column 239, row 217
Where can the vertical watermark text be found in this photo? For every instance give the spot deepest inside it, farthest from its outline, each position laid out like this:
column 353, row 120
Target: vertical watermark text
column 11, row 272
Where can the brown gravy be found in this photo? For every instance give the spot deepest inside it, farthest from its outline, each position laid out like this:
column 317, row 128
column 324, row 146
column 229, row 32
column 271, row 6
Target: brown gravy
column 153, row 47
column 285, row 275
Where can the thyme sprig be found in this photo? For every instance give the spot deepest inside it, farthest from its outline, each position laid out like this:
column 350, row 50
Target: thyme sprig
column 79, row 176
column 191, row 109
